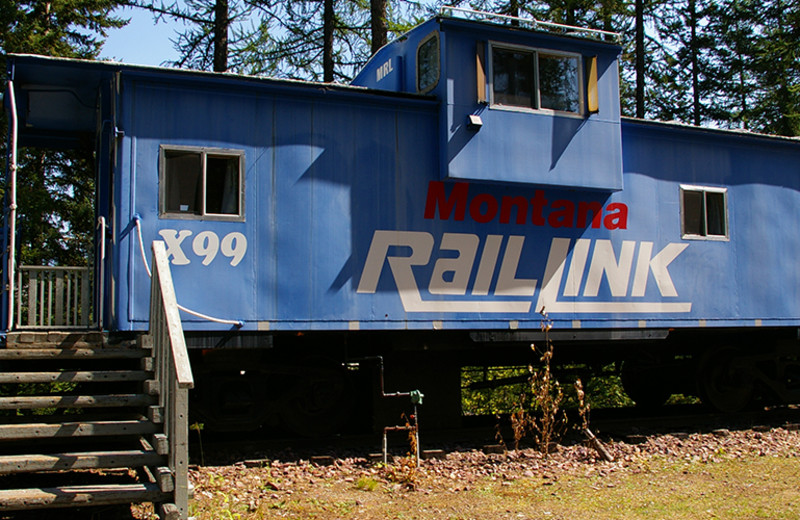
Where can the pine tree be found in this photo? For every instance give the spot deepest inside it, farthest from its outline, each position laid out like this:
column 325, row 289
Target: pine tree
column 217, row 32
column 55, row 189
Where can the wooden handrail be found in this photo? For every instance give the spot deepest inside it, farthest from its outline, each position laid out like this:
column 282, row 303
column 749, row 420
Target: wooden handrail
column 173, row 374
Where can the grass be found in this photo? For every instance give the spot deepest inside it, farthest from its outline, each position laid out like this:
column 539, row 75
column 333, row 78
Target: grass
column 657, row 488
column 763, row 488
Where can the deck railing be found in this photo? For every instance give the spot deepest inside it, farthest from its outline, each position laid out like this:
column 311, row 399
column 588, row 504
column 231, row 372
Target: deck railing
column 53, row 297
column 173, row 374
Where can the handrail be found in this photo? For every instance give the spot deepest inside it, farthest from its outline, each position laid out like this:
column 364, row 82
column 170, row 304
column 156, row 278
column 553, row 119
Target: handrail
column 173, row 373
column 12, row 204
column 533, row 22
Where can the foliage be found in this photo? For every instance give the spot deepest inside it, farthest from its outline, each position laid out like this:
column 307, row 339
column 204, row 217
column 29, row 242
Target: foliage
column 285, row 39
column 55, row 193
column 549, row 423
column 603, row 388
column 72, row 28
column 55, row 189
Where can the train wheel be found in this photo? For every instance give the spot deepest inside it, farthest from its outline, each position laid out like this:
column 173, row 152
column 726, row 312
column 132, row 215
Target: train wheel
column 725, row 382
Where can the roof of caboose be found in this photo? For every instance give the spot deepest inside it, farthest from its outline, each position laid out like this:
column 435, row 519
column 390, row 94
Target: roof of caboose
column 57, row 98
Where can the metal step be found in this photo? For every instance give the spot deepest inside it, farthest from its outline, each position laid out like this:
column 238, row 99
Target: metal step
column 11, row 464
column 30, row 402
column 76, row 429
column 77, row 496
column 74, row 376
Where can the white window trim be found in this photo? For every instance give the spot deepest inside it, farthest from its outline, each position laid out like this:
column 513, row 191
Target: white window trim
column 204, row 151
column 705, row 189
column 536, row 50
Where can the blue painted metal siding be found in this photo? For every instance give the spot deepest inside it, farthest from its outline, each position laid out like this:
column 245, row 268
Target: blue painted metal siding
column 523, row 146
column 349, row 226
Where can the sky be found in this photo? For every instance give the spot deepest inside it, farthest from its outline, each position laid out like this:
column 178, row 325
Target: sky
column 142, row 41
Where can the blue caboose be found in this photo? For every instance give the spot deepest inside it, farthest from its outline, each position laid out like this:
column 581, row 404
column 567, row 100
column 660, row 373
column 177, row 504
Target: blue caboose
column 476, row 179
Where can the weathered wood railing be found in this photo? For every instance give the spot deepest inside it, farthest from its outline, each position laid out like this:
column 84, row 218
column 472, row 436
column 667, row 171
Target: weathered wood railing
column 173, row 376
column 53, row 297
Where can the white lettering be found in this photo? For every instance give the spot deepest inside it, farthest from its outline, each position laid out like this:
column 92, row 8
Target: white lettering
column 507, row 283
column 384, row 70
column 461, row 266
column 234, row 246
column 173, row 240
column 604, row 261
column 451, row 274
column 206, row 245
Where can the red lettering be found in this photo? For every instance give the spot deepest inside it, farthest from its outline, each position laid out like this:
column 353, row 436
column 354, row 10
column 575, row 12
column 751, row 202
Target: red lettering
column 476, row 205
column 436, row 198
column 618, row 219
column 484, row 208
column 583, row 212
column 562, row 217
column 539, row 202
column 521, row 203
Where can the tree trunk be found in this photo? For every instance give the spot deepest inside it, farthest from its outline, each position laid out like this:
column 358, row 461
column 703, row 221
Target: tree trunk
column 221, row 23
column 327, row 41
column 695, row 63
column 640, row 59
column 380, row 30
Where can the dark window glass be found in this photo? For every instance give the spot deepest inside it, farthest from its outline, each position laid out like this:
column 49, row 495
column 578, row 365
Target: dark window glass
column 693, row 213
column 558, row 83
column 513, row 77
column 183, row 179
column 428, row 64
column 222, row 185
column 704, row 213
column 715, row 213
column 190, row 175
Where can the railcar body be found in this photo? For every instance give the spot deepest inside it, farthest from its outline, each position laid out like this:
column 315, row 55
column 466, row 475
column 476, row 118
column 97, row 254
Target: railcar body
column 475, row 177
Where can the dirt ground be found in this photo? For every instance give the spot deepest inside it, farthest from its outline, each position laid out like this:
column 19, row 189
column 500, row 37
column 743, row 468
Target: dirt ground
column 467, row 483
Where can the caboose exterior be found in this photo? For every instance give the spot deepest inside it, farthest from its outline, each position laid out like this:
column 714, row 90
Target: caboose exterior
column 474, row 179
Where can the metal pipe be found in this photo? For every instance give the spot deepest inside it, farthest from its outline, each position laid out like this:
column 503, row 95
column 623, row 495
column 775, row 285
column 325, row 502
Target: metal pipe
column 12, row 205
column 101, row 273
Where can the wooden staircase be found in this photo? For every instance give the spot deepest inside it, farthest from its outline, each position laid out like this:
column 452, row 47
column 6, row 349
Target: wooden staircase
column 82, row 417
column 84, row 423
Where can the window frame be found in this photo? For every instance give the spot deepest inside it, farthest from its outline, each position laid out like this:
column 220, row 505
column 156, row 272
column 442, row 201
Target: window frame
column 537, row 85
column 434, row 35
column 204, row 152
column 725, row 221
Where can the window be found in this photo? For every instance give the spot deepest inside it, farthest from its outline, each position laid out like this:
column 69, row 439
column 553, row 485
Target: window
column 535, row 79
column 202, row 183
column 558, row 82
column 704, row 213
column 513, row 79
column 428, row 63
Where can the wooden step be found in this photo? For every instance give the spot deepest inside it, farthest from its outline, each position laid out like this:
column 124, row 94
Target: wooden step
column 11, row 464
column 30, row 402
column 72, row 353
column 77, row 496
column 74, row 376
column 76, row 429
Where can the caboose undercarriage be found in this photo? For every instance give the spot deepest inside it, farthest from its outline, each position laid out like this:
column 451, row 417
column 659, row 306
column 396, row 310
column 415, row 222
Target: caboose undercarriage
column 333, row 385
